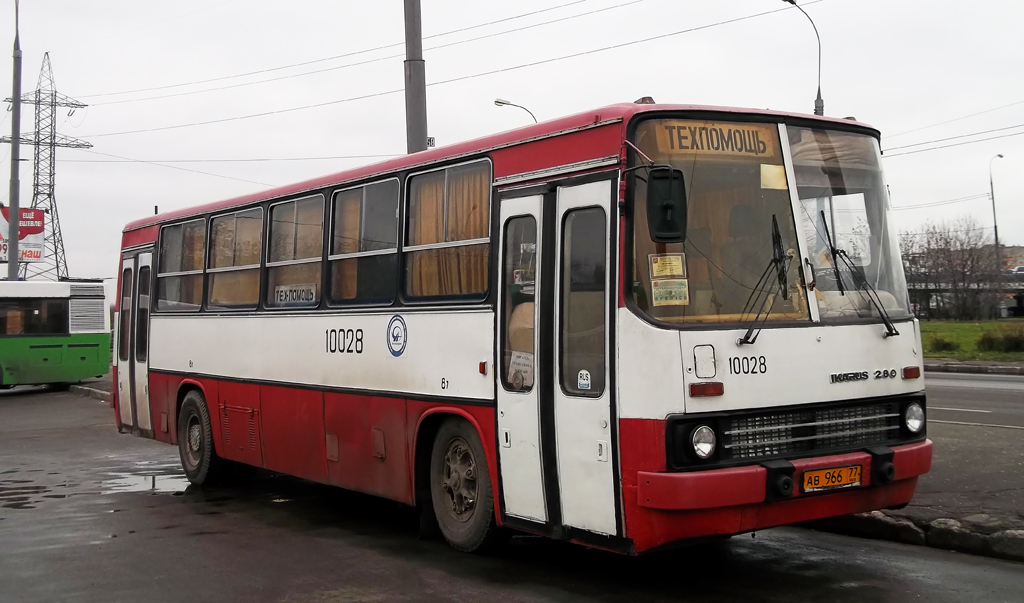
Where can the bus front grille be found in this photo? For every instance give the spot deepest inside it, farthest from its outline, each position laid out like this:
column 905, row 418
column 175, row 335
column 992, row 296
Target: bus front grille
column 775, row 434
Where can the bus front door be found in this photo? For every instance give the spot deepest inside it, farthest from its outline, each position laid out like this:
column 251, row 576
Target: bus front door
column 584, row 424
column 133, row 343
column 555, row 423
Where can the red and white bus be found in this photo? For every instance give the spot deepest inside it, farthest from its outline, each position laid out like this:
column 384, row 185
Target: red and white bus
column 625, row 328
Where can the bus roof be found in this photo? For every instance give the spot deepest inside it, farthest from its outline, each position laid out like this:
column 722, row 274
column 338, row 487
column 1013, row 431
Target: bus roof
column 10, row 289
column 621, row 112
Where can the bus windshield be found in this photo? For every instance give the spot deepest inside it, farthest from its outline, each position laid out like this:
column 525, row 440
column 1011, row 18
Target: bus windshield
column 843, row 197
column 736, row 183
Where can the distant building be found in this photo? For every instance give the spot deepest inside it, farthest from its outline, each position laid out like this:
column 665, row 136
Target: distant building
column 1013, row 256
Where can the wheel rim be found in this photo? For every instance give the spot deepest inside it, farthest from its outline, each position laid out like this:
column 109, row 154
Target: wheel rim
column 193, row 441
column 459, row 486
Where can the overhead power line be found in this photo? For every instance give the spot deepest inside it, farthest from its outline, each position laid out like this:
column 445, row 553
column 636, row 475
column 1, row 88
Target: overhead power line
column 918, row 144
column 939, row 203
column 366, row 62
column 455, row 79
column 955, row 144
column 949, row 121
column 942, row 232
column 175, row 167
column 331, row 58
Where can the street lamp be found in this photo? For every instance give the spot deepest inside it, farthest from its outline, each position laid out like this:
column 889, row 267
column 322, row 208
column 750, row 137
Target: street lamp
column 500, row 102
column 995, row 232
column 819, row 105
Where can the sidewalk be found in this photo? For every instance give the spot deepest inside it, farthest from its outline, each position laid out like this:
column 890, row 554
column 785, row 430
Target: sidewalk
column 990, row 367
column 99, row 388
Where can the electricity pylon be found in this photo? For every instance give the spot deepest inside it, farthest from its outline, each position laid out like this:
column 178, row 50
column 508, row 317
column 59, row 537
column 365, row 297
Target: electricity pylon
column 46, row 140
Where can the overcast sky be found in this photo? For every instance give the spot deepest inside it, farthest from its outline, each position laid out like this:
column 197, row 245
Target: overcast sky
column 901, row 65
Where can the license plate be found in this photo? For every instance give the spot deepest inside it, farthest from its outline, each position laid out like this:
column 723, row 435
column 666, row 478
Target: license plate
column 832, row 478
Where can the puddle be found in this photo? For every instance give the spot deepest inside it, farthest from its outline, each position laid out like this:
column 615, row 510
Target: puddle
column 19, row 497
column 131, row 482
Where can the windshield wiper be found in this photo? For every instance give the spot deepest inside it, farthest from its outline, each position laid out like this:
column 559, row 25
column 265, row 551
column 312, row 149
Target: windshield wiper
column 832, row 251
column 780, row 262
column 872, row 294
column 859, row 280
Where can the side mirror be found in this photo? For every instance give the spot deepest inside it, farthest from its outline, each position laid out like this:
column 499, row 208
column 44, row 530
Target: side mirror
column 666, row 205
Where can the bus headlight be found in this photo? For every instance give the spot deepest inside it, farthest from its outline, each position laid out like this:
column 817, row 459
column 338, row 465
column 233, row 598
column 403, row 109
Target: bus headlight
column 913, row 417
column 703, row 440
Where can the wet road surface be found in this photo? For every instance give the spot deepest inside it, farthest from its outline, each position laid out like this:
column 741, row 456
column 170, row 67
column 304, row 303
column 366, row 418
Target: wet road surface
column 90, row 515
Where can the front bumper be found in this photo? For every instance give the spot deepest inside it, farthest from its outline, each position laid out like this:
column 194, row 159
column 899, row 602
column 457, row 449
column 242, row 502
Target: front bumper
column 737, row 486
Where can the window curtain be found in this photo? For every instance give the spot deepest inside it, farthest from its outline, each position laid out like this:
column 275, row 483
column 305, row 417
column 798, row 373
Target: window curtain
column 465, row 268
column 426, row 226
column 456, row 212
column 347, row 217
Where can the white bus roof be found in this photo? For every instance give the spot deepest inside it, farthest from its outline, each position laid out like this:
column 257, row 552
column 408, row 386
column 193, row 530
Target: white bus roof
column 38, row 289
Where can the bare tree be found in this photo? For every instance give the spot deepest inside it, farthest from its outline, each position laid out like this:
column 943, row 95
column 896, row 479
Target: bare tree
column 950, row 268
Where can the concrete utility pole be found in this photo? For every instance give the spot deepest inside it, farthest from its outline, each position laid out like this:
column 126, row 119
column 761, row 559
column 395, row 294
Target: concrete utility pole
column 415, row 80
column 995, row 231
column 14, row 217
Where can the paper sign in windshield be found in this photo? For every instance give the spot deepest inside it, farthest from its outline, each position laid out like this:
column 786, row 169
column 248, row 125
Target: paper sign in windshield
column 670, row 292
column 520, row 370
column 667, row 265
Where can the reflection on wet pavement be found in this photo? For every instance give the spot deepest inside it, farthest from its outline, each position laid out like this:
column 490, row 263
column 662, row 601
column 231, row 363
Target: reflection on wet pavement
column 138, row 476
column 130, row 482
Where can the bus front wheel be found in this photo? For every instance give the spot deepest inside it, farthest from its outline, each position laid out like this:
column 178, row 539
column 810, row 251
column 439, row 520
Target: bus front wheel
column 195, row 442
column 460, row 488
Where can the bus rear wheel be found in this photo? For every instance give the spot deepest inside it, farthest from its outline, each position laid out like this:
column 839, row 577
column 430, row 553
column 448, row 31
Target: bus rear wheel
column 460, row 488
column 195, row 442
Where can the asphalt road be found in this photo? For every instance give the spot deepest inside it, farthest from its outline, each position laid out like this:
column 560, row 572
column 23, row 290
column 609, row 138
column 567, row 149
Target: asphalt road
column 981, row 400
column 977, row 425
column 90, row 515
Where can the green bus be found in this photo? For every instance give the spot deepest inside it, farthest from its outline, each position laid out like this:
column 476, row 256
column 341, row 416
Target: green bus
column 52, row 332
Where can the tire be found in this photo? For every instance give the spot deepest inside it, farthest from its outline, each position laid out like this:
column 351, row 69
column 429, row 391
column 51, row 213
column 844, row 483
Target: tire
column 460, row 489
column 195, row 442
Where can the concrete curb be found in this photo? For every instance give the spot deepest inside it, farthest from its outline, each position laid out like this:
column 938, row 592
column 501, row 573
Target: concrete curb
column 973, row 368
column 948, row 534
column 91, row 392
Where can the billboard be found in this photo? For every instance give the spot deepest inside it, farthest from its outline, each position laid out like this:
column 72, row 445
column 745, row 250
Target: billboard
column 30, row 234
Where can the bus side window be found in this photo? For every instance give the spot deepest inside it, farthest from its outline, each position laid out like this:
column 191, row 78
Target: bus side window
column 520, row 267
column 447, row 243
column 584, row 249
column 179, row 277
column 124, row 330
column 295, row 259
column 234, row 264
column 364, row 244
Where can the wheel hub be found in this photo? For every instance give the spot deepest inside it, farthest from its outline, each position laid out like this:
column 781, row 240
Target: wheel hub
column 193, row 442
column 459, row 486
column 194, row 438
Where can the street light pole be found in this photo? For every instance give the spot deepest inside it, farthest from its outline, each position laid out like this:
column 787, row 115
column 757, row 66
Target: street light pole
column 415, row 80
column 14, row 212
column 819, row 104
column 995, row 232
column 504, row 103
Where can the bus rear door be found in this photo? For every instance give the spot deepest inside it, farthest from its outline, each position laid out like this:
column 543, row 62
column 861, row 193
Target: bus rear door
column 133, row 342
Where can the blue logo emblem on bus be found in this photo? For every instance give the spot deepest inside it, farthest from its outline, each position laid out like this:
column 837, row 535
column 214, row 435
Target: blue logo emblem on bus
column 398, row 335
